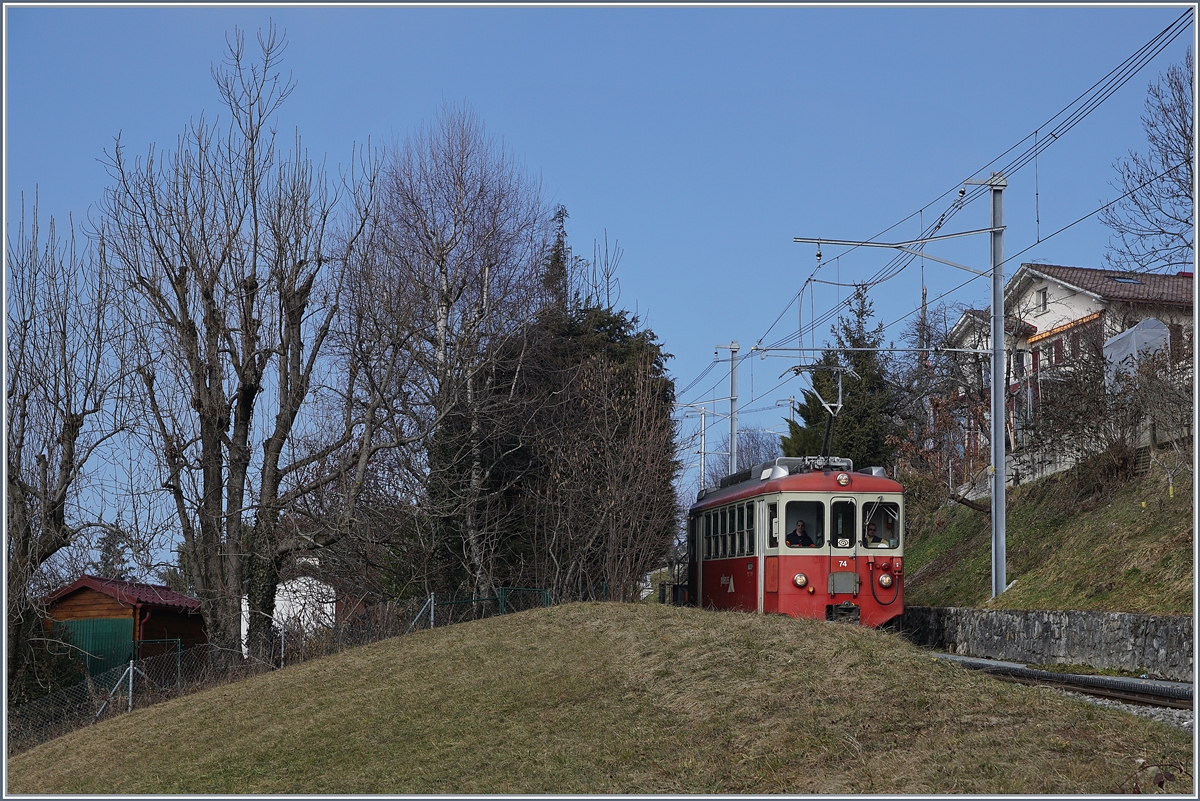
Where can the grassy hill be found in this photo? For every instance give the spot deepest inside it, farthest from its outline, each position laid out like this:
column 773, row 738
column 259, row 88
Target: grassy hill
column 1095, row 549
column 614, row 698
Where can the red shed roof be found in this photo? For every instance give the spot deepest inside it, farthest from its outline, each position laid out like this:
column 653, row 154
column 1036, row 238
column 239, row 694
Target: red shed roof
column 131, row 593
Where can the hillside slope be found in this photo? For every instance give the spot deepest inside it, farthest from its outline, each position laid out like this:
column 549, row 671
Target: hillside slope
column 1104, row 551
column 613, row 698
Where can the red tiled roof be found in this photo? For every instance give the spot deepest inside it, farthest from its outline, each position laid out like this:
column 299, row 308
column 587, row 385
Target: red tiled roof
column 131, row 593
column 1174, row 290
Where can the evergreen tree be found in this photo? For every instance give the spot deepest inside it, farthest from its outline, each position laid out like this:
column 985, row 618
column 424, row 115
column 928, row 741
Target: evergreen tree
column 110, row 562
column 806, row 438
column 866, row 428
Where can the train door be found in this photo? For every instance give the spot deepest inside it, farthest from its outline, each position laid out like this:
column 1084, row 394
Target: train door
column 770, row 571
column 760, row 543
column 693, row 570
column 844, row 582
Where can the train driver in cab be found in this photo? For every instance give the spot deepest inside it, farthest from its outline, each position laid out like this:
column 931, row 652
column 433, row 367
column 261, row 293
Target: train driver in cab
column 874, row 539
column 799, row 537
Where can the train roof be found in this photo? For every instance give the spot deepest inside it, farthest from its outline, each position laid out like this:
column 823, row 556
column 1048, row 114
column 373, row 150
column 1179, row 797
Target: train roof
column 797, row 474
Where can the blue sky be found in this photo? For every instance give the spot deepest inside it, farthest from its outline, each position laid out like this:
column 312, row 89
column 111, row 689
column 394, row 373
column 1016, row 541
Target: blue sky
column 702, row 139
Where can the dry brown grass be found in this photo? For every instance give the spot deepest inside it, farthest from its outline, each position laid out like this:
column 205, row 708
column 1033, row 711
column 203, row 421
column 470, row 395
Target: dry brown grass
column 1103, row 553
column 613, row 698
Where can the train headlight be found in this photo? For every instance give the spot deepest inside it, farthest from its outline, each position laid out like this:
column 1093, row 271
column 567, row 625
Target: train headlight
column 800, row 580
column 885, row 580
column 843, row 479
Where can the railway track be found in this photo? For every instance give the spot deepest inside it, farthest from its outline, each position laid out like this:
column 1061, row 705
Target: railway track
column 1170, row 695
column 1140, row 696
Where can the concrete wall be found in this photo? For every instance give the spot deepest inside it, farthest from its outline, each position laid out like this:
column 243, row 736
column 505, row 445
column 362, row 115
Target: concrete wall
column 1159, row 645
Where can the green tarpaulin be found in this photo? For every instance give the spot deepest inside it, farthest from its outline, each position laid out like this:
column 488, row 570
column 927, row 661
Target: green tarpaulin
column 108, row 642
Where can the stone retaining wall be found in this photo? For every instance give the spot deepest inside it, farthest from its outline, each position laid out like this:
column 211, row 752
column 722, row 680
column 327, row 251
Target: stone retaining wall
column 1159, row 645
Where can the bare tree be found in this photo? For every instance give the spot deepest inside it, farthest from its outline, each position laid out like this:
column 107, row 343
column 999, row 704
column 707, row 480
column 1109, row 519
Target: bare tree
column 945, row 406
column 234, row 257
column 466, row 233
column 755, row 446
column 1155, row 224
column 602, row 506
column 65, row 404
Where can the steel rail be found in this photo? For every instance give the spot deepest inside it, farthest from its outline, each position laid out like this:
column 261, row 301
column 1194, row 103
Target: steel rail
column 1119, row 689
column 1140, row 698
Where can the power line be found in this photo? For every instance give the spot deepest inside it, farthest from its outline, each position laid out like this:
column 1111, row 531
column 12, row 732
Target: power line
column 700, row 377
column 1083, row 105
column 1048, row 237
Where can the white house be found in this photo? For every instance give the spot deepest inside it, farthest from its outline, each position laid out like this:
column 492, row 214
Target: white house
column 1050, row 310
column 1046, row 306
column 302, row 604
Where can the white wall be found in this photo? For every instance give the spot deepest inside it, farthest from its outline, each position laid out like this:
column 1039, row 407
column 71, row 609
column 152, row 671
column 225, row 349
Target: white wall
column 303, row 604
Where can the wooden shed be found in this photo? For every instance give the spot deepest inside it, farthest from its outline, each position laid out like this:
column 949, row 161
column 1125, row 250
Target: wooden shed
column 114, row 621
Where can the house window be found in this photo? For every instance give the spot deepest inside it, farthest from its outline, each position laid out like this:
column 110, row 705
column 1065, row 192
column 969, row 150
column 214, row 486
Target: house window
column 1019, row 364
column 1074, row 344
column 1057, row 352
column 1042, row 300
column 1176, row 345
column 1037, row 358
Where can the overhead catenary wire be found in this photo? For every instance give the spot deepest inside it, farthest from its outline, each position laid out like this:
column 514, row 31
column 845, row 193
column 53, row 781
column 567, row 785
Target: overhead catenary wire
column 1075, row 111
column 1048, row 237
column 1068, row 117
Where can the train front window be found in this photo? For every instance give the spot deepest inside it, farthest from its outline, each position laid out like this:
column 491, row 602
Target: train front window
column 805, row 521
column 881, row 525
column 842, row 524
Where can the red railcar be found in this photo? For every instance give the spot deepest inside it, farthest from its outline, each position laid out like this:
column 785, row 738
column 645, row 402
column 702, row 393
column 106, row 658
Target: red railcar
column 806, row 537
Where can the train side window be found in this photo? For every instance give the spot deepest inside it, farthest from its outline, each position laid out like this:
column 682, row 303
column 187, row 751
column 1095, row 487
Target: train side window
column 708, row 536
column 842, row 524
column 717, row 534
column 732, row 532
column 812, row 515
column 750, row 529
column 881, row 525
column 741, row 521
column 725, row 531
column 693, row 525
column 772, row 526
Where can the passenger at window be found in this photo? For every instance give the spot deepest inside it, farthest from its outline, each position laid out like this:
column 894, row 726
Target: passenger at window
column 799, row 537
column 874, row 539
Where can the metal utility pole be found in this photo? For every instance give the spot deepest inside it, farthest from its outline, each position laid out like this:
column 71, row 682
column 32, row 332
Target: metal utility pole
column 997, row 183
column 733, row 351
column 700, row 407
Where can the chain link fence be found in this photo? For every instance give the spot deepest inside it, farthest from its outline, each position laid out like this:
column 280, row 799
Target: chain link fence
column 162, row 669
